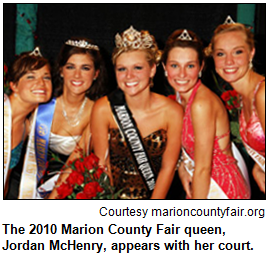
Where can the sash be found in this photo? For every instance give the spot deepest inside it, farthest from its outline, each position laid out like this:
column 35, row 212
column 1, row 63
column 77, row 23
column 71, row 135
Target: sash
column 130, row 132
column 36, row 153
column 258, row 158
column 28, row 177
column 215, row 191
column 7, row 135
column 42, row 133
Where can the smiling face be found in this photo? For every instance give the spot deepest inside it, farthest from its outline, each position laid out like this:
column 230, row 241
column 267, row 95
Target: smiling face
column 182, row 68
column 133, row 72
column 232, row 55
column 35, row 86
column 78, row 73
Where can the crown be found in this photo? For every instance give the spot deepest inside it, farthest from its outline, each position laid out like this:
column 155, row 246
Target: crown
column 81, row 44
column 134, row 39
column 36, row 52
column 185, row 36
column 229, row 20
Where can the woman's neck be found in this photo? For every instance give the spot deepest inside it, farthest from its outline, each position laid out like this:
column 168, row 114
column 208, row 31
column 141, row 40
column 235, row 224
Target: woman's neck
column 20, row 109
column 72, row 101
column 141, row 102
column 246, row 85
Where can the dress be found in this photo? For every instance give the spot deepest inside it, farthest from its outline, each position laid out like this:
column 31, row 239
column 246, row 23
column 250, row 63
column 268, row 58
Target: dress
column 61, row 146
column 252, row 132
column 224, row 168
column 125, row 175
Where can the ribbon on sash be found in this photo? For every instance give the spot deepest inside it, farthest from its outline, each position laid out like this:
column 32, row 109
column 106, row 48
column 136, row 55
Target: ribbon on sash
column 129, row 130
column 42, row 133
column 7, row 135
column 258, row 158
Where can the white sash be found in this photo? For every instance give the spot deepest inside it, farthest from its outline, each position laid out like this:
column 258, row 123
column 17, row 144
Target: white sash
column 28, row 177
column 259, row 159
column 7, row 135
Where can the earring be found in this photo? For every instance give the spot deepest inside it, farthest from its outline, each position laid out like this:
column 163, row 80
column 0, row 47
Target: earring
column 15, row 94
column 250, row 65
column 165, row 73
column 200, row 74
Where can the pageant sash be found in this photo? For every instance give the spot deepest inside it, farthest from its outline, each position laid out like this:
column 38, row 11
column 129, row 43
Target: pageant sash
column 215, row 191
column 258, row 158
column 42, row 133
column 28, row 182
column 7, row 135
column 129, row 130
column 241, row 164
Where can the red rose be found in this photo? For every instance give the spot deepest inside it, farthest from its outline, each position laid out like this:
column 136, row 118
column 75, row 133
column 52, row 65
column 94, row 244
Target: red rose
column 81, row 195
column 79, row 167
column 90, row 161
column 225, row 96
column 64, row 190
column 75, row 178
column 173, row 97
column 5, row 68
column 90, row 189
column 98, row 173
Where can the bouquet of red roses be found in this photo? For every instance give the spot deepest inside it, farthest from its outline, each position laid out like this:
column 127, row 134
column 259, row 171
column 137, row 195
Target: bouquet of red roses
column 87, row 181
column 231, row 100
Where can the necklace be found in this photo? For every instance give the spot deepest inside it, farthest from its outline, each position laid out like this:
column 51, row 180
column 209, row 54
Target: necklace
column 73, row 121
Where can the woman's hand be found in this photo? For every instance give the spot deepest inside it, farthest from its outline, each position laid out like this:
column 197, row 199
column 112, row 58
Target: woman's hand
column 259, row 176
column 186, row 180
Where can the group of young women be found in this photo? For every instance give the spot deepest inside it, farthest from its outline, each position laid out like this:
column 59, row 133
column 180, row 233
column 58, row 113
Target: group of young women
column 140, row 137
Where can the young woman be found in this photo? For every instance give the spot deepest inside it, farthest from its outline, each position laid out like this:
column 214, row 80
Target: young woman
column 232, row 48
column 79, row 77
column 30, row 82
column 136, row 133
column 207, row 156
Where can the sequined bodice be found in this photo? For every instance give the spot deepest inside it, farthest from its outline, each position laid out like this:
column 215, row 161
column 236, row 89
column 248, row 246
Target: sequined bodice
column 251, row 131
column 123, row 168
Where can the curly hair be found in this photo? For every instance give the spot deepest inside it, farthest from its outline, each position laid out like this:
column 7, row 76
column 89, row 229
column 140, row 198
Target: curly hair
column 224, row 28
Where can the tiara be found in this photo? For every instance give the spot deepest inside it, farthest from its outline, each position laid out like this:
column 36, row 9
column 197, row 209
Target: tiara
column 134, row 39
column 81, row 44
column 228, row 20
column 36, row 52
column 185, row 36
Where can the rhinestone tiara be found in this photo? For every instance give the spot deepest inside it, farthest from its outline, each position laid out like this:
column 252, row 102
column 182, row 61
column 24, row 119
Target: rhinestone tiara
column 134, row 39
column 81, row 44
column 36, row 52
column 229, row 20
column 185, row 36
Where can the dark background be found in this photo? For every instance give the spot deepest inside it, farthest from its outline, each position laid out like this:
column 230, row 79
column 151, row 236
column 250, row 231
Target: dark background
column 100, row 22
column 58, row 22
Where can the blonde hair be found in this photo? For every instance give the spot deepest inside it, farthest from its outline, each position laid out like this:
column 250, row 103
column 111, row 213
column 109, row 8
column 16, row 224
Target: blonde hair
column 224, row 28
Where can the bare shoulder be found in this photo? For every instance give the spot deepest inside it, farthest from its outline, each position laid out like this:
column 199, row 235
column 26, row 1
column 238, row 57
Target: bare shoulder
column 204, row 100
column 101, row 106
column 260, row 95
column 171, row 107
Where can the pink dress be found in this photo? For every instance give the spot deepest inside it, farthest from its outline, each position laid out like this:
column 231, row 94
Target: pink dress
column 252, row 132
column 224, row 167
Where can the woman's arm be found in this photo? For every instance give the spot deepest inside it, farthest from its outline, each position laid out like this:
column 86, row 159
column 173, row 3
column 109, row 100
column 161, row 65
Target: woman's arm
column 260, row 104
column 186, row 179
column 204, row 126
column 171, row 154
